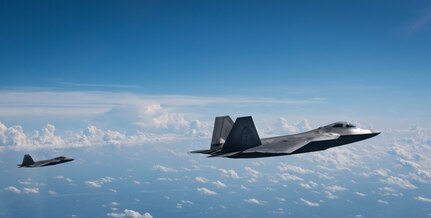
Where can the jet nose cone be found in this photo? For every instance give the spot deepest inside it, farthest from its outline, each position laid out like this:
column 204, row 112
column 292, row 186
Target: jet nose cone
column 374, row 133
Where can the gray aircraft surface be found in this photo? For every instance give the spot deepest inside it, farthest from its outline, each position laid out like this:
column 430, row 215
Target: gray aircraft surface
column 240, row 139
column 29, row 162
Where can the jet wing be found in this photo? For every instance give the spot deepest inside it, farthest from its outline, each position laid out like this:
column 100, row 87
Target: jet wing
column 289, row 144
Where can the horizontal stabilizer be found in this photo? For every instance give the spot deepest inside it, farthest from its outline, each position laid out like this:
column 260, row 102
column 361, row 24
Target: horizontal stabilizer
column 206, row 151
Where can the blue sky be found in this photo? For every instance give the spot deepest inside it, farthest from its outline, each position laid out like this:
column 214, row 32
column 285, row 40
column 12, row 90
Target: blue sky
column 376, row 53
column 140, row 82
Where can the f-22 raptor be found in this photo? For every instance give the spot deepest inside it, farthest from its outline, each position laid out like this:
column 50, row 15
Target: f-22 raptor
column 29, row 162
column 240, row 139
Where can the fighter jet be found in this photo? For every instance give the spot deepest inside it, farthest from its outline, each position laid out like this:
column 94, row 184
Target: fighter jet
column 29, row 162
column 240, row 139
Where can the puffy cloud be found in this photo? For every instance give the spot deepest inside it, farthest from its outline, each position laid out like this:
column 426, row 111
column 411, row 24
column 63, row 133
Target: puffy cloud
column 206, row 191
column 330, row 195
column 51, row 192
column 302, row 126
column 14, row 136
column 12, row 189
column 382, row 201
column 360, row 194
column 183, row 203
column 219, row 184
column 423, row 199
column 400, row 182
column 153, row 115
column 229, row 173
column 116, row 215
column 290, row 177
column 309, row 185
column 130, row 213
column 93, row 184
column 252, row 172
column 282, row 167
column 98, row 183
column 309, row 203
column 335, row 188
column 164, row 169
column 244, row 188
column 135, row 214
column 201, row 179
column 341, row 158
column 390, row 191
column 31, row 190
column 254, row 201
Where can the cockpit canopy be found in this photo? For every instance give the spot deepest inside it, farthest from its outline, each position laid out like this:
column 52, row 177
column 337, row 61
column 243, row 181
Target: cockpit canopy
column 60, row 158
column 341, row 124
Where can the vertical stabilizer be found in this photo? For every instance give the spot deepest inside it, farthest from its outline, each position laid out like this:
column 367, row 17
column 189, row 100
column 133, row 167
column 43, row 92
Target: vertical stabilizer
column 242, row 136
column 222, row 128
column 27, row 160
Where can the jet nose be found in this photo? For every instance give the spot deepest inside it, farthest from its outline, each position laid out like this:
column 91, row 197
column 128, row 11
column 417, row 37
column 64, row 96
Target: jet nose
column 374, row 133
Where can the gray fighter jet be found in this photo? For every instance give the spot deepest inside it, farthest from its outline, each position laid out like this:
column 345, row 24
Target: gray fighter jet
column 29, row 162
column 240, row 139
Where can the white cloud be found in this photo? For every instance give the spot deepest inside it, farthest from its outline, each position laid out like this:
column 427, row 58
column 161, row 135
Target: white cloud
column 309, row 203
column 93, row 184
column 360, row 194
column 423, row 199
column 206, row 191
column 229, row 173
column 201, row 179
column 164, row 169
column 382, row 201
column 98, row 183
column 252, row 172
column 309, row 185
column 302, row 126
column 254, row 201
column 244, row 188
column 51, row 192
column 183, row 203
column 12, row 189
column 31, row 190
column 282, row 167
column 330, row 195
column 15, row 138
column 219, row 184
column 25, row 182
column 130, row 213
column 341, row 158
column 290, row 177
column 116, row 215
column 335, row 188
column 305, row 185
column 400, row 182
column 390, row 191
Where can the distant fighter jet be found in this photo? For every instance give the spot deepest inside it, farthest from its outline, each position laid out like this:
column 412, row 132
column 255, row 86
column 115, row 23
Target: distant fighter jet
column 240, row 139
column 29, row 162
